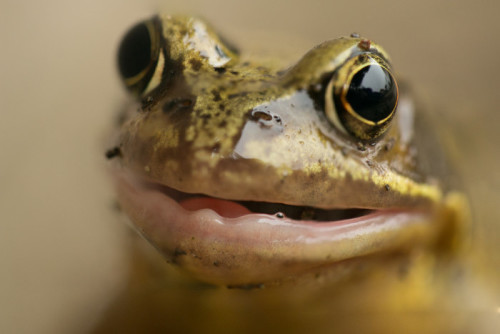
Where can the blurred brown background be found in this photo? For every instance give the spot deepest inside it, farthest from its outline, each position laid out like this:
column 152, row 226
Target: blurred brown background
column 61, row 246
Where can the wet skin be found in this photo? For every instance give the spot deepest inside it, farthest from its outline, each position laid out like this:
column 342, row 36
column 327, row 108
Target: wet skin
column 248, row 173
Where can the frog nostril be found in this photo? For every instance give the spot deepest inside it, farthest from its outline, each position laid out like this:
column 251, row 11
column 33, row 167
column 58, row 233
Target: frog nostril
column 259, row 115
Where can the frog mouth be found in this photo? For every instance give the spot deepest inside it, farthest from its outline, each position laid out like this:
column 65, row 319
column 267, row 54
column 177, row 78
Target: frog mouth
column 235, row 209
column 237, row 243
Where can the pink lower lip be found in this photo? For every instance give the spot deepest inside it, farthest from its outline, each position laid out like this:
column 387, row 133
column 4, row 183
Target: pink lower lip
column 221, row 242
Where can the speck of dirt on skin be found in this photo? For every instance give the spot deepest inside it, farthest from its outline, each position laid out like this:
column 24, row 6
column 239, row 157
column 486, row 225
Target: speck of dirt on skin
column 364, row 44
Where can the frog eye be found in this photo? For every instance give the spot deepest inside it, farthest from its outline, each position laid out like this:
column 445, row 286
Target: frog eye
column 139, row 59
column 362, row 96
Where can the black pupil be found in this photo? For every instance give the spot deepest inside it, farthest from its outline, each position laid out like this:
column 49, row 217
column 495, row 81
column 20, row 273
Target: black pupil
column 134, row 54
column 372, row 93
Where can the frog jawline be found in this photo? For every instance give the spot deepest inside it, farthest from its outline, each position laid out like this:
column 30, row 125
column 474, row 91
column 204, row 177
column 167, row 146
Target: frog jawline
column 227, row 251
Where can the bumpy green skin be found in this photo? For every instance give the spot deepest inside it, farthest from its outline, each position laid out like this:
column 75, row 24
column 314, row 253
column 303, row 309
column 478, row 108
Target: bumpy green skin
column 218, row 124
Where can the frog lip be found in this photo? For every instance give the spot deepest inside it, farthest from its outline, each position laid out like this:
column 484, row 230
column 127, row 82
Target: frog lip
column 227, row 250
column 235, row 208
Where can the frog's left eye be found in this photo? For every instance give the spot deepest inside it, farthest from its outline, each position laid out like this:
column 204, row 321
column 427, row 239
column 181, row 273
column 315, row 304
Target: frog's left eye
column 140, row 61
column 362, row 96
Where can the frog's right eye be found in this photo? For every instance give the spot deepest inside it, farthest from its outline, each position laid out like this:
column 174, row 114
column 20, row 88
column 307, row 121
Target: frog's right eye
column 140, row 61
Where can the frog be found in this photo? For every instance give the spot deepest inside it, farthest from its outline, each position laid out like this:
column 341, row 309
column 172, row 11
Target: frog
column 249, row 174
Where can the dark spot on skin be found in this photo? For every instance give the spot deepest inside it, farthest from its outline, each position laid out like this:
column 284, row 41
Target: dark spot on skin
column 220, row 70
column 235, row 72
column 355, row 35
column 179, row 252
column 216, row 95
column 389, row 145
column 114, row 152
column 223, row 124
column 277, row 119
column 387, row 187
column 195, row 64
column 232, row 96
column 205, row 118
column 361, row 147
column 364, row 44
column 362, row 58
column 247, row 286
column 147, row 103
column 222, row 107
column 369, row 163
column 216, row 148
column 216, row 263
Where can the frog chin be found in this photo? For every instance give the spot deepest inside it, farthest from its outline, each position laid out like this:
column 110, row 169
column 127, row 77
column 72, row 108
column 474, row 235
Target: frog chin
column 223, row 242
